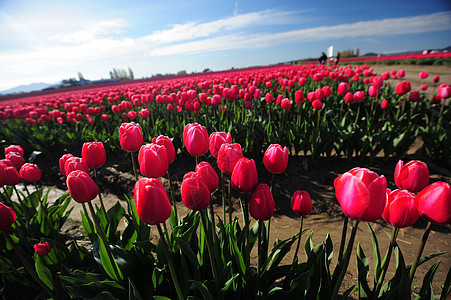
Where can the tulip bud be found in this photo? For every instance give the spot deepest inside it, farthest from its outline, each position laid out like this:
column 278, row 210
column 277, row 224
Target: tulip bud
column 342, row 88
column 75, row 163
column 400, row 209
column 216, row 140
column 301, row 203
column 7, row 217
column 93, row 154
column 228, row 156
column 153, row 160
column 196, row 140
column 276, row 159
column 361, row 194
column 434, row 203
column 11, row 176
column 152, row 202
column 130, row 136
column 413, row 176
column 195, row 193
column 209, row 175
column 261, row 205
column 62, row 162
column 244, row 176
column 16, row 158
column 81, row 186
column 30, row 172
column 42, row 249
column 14, row 148
column 167, row 143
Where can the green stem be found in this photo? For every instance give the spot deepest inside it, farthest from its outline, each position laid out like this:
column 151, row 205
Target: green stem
column 170, row 263
column 134, row 166
column 260, row 240
column 420, row 251
column 223, row 198
column 299, row 241
column 24, row 208
column 104, row 240
column 246, row 230
column 386, row 262
column 345, row 262
column 230, row 200
column 100, row 195
column 209, row 247
column 343, row 238
column 174, row 204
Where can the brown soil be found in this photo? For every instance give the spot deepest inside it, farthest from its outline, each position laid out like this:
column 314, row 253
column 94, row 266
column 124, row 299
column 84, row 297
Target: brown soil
column 117, row 179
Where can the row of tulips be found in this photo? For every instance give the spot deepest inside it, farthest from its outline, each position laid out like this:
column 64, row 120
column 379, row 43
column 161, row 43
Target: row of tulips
column 202, row 254
column 313, row 110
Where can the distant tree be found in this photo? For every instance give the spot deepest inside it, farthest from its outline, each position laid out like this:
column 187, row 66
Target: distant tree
column 121, row 74
column 206, row 70
column 130, row 74
column 357, row 52
column 182, row 72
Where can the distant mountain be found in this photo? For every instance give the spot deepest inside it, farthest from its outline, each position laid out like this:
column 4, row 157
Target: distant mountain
column 27, row 88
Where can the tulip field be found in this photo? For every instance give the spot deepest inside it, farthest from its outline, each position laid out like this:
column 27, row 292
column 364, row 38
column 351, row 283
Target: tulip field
column 207, row 169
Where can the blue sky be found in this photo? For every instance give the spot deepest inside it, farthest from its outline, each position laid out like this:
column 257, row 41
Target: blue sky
column 50, row 40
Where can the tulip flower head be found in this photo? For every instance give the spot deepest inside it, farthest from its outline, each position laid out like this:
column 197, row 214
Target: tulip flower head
column 261, row 205
column 81, row 186
column 196, row 140
column 216, row 140
column 244, row 176
column 361, row 194
column 42, row 249
column 11, row 176
column 400, row 208
column 412, row 176
column 228, row 156
column 167, row 143
column 195, row 193
column 14, row 148
column 62, row 162
column 209, row 175
column 152, row 202
column 153, row 160
column 7, row 217
column 434, row 203
column 75, row 163
column 93, row 154
column 444, row 91
column 30, row 172
column 301, row 203
column 276, row 158
column 130, row 136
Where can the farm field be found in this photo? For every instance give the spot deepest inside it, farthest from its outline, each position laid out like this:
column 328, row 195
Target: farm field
column 321, row 130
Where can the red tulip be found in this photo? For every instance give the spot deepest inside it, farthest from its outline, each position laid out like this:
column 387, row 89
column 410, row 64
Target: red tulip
column 424, row 87
column 93, row 154
column 153, row 160
column 195, row 193
column 317, row 104
column 42, row 249
column 423, row 75
column 30, row 172
column 384, row 104
column 2, row 174
column 7, row 217
column 75, row 163
column 400, row 208
column 403, row 88
column 414, row 96
column 413, row 176
column 261, row 205
column 361, row 194
column 359, row 96
column 434, row 203
column 276, row 158
column 286, row 104
column 62, row 162
column 167, row 143
column 216, row 140
column 228, row 156
column 81, row 186
column 373, row 92
column 209, row 175
column 11, row 176
column 401, row 73
column 436, row 78
column 130, row 136
column 152, row 202
column 196, row 140
column 14, row 148
column 244, row 176
column 444, row 91
column 144, row 113
column 301, row 203
column 343, row 88
column 349, row 97
column 298, row 97
column 16, row 158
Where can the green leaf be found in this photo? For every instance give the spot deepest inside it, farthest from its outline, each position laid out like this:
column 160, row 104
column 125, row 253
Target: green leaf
column 426, row 291
column 108, row 264
column 362, row 273
column 203, row 290
column 43, row 272
column 187, row 252
column 376, row 254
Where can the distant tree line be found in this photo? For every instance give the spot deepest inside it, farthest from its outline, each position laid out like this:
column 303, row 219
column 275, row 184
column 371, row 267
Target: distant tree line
column 122, row 74
column 349, row 53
